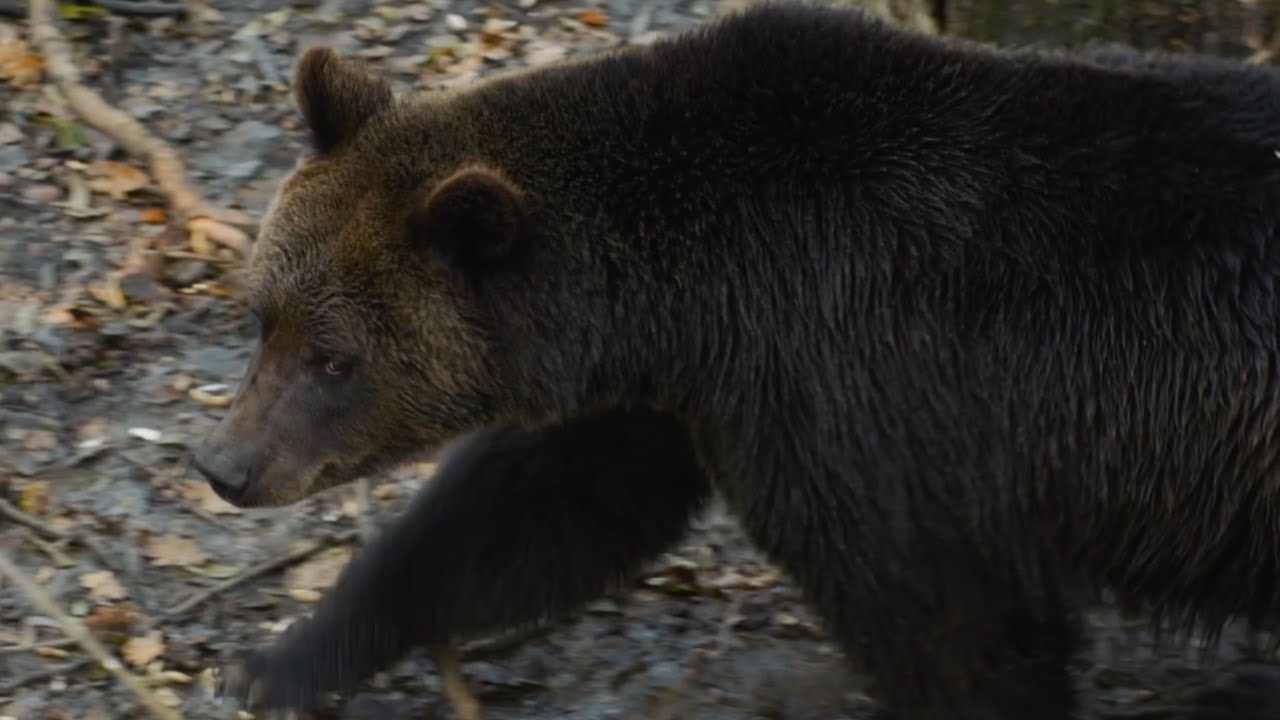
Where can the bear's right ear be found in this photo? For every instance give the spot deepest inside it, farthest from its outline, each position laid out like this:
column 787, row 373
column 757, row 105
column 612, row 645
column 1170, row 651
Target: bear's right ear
column 472, row 220
column 336, row 97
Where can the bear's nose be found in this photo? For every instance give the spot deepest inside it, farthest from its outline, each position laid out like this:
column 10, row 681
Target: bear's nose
column 227, row 477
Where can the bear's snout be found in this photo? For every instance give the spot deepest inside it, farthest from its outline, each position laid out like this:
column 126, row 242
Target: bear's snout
column 226, row 475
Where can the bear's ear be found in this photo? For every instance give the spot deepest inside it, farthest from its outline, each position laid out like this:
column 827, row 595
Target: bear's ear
column 336, row 97
column 474, row 218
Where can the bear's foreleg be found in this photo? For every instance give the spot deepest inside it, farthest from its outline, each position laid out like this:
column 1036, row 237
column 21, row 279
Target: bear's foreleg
column 516, row 526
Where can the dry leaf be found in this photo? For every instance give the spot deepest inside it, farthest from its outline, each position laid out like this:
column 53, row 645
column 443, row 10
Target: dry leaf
column 102, row 585
column 305, row 595
column 153, row 216
column 110, row 618
column 199, row 494
column 168, row 697
column 18, row 65
column 215, row 395
column 175, row 677
column 34, row 499
column 205, row 232
column 109, row 292
column 116, row 179
column 319, row 572
column 167, row 550
column 385, row 492
column 593, row 18
column 140, row 651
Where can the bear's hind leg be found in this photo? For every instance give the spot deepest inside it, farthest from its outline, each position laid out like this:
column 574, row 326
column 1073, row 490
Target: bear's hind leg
column 1009, row 668
column 943, row 625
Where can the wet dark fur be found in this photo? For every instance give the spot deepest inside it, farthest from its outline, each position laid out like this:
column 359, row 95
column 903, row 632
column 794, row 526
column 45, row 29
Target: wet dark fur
column 956, row 333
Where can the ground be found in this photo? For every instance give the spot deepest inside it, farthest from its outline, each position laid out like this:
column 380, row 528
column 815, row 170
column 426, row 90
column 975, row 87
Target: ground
column 119, row 343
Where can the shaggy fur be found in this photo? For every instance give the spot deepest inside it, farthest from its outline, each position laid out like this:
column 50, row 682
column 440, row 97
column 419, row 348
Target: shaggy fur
column 957, row 333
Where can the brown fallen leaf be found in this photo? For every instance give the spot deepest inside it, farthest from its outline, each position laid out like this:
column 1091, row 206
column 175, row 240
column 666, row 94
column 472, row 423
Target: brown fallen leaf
column 593, row 18
column 205, row 234
column 141, row 651
column 153, row 216
column 110, row 618
column 170, row 550
column 318, row 572
column 34, row 497
column 18, row 65
column 116, row 179
column 215, row 395
column 109, row 292
column 200, row 495
column 102, row 585
column 305, row 595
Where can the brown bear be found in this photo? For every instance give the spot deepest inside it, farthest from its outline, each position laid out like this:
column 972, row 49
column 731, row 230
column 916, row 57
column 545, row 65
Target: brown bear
column 957, row 333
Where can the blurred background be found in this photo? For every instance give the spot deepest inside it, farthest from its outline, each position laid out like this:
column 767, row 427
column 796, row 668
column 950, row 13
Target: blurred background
column 140, row 141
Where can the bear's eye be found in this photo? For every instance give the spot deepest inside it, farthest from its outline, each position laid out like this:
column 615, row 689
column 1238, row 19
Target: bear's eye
column 332, row 365
column 336, row 366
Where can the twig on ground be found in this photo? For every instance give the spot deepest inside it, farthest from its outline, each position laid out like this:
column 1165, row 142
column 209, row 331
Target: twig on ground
column 33, row 646
column 465, row 704
column 143, row 8
column 204, row 221
column 364, row 511
column 76, row 630
column 493, row 647
column 185, row 255
column 36, row 676
column 208, row 517
column 54, row 552
column 125, row 8
column 15, row 514
column 104, row 558
column 259, row 570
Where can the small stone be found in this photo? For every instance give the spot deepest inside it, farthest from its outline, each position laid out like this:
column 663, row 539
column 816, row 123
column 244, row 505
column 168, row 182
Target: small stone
column 242, row 170
column 22, row 362
column 370, row 28
column 418, row 13
column 139, row 286
column 42, row 193
column 13, row 156
column 10, row 134
column 455, row 22
column 185, row 272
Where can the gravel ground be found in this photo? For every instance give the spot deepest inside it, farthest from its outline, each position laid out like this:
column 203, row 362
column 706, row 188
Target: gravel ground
column 118, row 344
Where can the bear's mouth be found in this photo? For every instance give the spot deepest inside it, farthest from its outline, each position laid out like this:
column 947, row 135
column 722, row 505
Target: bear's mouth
column 335, row 472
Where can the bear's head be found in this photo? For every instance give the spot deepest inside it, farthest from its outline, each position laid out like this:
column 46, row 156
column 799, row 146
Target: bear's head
column 373, row 347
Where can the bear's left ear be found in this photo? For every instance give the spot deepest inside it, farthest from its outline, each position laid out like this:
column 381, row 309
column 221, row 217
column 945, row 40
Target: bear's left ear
column 473, row 219
column 336, row 97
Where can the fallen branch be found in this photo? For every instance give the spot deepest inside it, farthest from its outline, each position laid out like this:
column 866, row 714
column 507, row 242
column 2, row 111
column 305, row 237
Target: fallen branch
column 15, row 514
column 256, row 571
column 490, row 648
column 465, row 705
column 201, row 257
column 204, row 222
column 36, row 646
column 125, row 8
column 76, row 630
column 43, row 674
